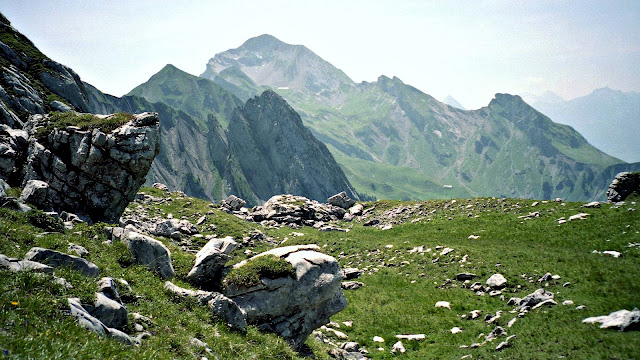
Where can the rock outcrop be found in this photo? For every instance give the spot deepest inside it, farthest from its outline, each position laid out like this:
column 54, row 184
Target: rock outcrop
column 210, row 260
column 287, row 209
column 92, row 173
column 625, row 184
column 294, row 307
column 621, row 320
column 150, row 252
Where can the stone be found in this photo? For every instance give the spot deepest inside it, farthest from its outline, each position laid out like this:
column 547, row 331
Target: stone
column 443, row 304
column 37, row 192
column 3, row 188
column 351, row 285
column 624, row 184
column 221, row 306
column 496, row 281
column 160, row 186
column 288, row 209
column 412, row 337
column 456, row 330
column 593, row 204
column 580, row 216
column 171, row 227
column 341, row 200
column 352, row 273
column 546, row 277
column 107, row 286
column 622, row 320
column 210, row 261
column 110, row 312
column 233, row 203
column 17, row 265
column 89, row 322
column 465, row 276
column 378, row 339
column 615, row 254
column 350, row 346
column 77, row 249
column 294, row 307
column 535, row 298
column 398, row 347
column 543, row 303
column 495, row 333
column 56, row 259
column 89, row 172
column 149, row 252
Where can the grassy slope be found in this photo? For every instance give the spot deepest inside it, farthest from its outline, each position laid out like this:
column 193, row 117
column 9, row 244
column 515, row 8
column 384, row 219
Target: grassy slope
column 389, row 304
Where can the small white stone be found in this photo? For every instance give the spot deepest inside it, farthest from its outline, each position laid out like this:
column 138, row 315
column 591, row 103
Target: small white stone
column 456, row 330
column 443, row 304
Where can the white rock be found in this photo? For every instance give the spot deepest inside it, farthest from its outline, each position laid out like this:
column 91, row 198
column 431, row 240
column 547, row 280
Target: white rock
column 615, row 254
column 414, row 337
column 378, row 339
column 443, row 304
column 496, row 281
column 456, row 330
column 398, row 347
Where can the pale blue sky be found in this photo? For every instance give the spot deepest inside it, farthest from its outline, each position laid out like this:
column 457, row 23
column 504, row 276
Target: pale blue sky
column 469, row 49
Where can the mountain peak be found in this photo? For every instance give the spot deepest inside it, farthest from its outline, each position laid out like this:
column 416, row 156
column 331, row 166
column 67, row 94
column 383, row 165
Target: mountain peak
column 264, row 41
column 451, row 101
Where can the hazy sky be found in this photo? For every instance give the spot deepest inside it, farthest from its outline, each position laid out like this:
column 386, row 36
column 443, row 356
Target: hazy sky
column 469, row 49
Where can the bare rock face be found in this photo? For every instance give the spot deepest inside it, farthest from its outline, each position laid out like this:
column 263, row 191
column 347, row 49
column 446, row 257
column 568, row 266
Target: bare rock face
column 294, row 307
column 90, row 172
column 623, row 185
column 13, row 146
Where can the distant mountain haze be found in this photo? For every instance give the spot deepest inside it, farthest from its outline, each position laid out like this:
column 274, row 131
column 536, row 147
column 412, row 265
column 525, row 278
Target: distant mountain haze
column 608, row 119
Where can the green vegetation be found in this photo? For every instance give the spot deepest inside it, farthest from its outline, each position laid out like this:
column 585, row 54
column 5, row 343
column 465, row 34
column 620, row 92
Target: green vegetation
column 60, row 120
column 268, row 266
column 401, row 287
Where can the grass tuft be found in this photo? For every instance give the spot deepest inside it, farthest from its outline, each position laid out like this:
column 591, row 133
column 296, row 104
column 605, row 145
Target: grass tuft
column 268, row 266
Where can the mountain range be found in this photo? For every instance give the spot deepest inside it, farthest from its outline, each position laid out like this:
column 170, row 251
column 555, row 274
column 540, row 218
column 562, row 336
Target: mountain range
column 394, row 141
column 608, row 119
column 270, row 117
column 213, row 144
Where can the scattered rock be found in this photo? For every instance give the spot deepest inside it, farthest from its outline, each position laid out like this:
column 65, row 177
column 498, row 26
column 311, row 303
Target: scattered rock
column 79, row 250
column 615, row 254
column 456, row 330
column 110, row 312
column 593, row 204
column 535, row 298
column 378, row 339
column 580, row 216
column 496, row 281
column 412, row 337
column 443, row 304
column 351, row 285
column 174, row 228
column 233, row 203
column 108, row 287
column 17, row 265
column 352, row 273
column 56, row 259
column 89, row 322
column 398, row 347
column 621, row 320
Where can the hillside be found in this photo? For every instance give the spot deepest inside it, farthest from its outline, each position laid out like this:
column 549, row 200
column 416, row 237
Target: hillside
column 413, row 259
column 389, row 124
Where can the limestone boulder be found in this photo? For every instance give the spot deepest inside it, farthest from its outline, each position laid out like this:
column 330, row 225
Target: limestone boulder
column 624, row 184
column 92, row 173
column 622, row 320
column 109, row 312
column 496, row 281
column 210, row 261
column 341, row 200
column 536, row 297
column 294, row 307
column 56, row 259
column 174, row 228
column 150, row 252
column 17, row 265
column 287, row 209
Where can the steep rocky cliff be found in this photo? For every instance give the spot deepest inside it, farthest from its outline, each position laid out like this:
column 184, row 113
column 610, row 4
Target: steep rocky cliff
column 279, row 155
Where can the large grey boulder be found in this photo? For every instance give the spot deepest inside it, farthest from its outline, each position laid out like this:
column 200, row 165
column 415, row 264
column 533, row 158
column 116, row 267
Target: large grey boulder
column 109, row 312
column 233, row 203
column 56, row 259
column 624, row 184
column 37, row 192
column 150, row 252
column 221, row 306
column 294, row 307
column 17, row 265
column 622, row 320
column 341, row 200
column 210, row 260
column 90, row 172
column 107, row 286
